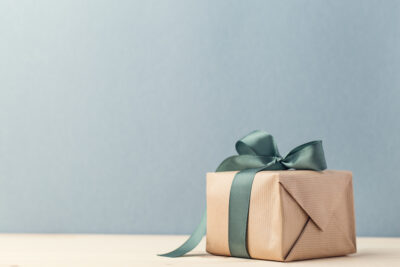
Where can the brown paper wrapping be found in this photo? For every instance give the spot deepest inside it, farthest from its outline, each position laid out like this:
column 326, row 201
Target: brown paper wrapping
column 293, row 215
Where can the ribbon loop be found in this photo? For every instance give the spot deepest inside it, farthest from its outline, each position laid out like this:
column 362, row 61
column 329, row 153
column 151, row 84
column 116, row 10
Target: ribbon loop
column 308, row 156
column 257, row 143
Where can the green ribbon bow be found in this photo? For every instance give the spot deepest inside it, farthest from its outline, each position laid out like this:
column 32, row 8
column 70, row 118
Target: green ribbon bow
column 257, row 152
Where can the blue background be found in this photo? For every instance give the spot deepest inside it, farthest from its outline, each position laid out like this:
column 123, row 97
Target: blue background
column 111, row 112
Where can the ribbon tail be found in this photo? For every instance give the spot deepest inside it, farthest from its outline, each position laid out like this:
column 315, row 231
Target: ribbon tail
column 192, row 242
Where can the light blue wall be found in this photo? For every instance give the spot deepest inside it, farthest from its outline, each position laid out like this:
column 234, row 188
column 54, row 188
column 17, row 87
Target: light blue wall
column 111, row 112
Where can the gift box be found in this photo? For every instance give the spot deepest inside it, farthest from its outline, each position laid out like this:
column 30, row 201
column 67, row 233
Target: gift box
column 264, row 206
column 293, row 215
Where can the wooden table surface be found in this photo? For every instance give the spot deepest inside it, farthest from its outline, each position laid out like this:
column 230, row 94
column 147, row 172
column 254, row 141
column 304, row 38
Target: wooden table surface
column 18, row 250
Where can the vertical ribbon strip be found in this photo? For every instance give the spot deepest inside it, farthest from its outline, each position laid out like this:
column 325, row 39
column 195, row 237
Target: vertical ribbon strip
column 256, row 152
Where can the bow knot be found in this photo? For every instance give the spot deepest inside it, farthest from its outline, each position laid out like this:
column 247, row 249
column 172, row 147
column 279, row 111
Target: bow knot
column 258, row 149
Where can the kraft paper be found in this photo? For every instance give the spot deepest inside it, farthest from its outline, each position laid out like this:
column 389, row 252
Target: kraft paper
column 293, row 215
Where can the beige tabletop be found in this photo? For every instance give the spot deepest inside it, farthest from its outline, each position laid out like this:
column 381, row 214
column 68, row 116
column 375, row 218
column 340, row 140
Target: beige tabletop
column 18, row 250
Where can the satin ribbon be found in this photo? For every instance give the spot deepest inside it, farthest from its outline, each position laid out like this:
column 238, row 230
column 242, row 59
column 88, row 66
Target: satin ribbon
column 256, row 152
